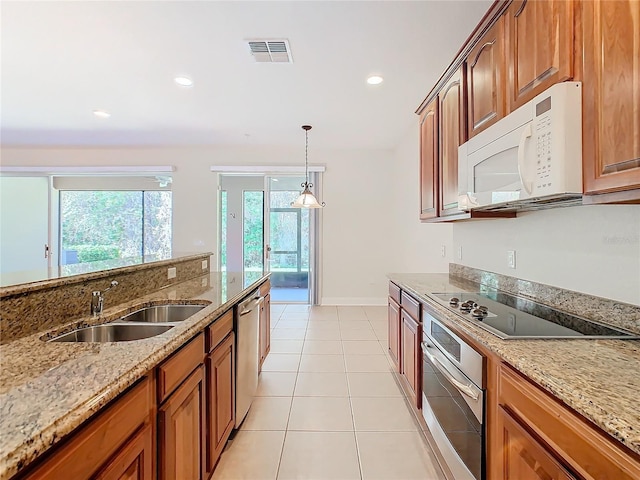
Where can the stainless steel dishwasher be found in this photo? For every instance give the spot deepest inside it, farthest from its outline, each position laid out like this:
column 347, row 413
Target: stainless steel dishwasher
column 247, row 353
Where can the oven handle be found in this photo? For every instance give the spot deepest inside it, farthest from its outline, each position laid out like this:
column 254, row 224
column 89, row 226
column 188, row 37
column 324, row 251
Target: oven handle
column 462, row 388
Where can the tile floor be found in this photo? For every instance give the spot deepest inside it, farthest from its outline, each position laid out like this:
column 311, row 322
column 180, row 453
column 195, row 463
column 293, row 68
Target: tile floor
column 327, row 406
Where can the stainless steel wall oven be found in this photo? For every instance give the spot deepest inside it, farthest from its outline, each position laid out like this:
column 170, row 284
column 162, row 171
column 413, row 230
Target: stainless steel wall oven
column 453, row 398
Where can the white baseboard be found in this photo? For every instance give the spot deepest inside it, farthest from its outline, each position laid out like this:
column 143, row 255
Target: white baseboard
column 344, row 301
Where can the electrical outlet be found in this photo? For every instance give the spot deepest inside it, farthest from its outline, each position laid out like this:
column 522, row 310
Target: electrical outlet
column 460, row 252
column 511, row 258
column 171, row 273
column 204, row 264
column 204, row 282
column 443, row 250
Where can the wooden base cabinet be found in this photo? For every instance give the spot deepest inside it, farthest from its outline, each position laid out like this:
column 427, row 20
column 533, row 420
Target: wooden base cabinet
column 181, row 430
column 220, row 399
column 524, row 458
column 411, row 338
column 265, row 326
column 117, row 444
column 394, row 333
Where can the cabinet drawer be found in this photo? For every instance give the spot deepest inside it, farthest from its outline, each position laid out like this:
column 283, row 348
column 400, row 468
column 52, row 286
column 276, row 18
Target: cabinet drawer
column 589, row 451
column 411, row 306
column 173, row 371
column 394, row 292
column 219, row 329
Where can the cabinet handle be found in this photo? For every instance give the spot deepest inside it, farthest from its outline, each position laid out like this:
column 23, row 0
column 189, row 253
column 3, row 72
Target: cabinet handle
column 520, row 9
column 475, row 60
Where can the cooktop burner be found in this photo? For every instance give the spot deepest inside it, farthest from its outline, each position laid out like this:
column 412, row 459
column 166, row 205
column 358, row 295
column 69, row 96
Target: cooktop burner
column 509, row 316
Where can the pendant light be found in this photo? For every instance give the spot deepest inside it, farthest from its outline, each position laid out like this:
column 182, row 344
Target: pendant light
column 306, row 198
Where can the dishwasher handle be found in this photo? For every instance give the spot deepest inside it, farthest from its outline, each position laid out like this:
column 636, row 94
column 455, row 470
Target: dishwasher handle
column 250, row 306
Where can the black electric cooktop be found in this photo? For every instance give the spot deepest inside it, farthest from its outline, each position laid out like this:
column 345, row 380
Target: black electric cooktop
column 511, row 317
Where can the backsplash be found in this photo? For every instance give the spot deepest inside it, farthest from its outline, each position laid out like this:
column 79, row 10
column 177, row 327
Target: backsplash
column 603, row 310
column 31, row 308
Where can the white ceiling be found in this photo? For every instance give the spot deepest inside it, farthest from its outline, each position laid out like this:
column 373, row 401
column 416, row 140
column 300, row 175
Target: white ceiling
column 62, row 60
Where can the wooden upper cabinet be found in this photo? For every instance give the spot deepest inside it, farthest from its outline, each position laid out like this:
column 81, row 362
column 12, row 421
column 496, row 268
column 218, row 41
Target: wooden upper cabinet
column 429, row 161
column 540, row 47
column 611, row 96
column 453, row 125
column 485, row 80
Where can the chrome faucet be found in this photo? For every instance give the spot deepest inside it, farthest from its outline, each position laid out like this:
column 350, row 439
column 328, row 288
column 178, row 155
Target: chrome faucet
column 97, row 299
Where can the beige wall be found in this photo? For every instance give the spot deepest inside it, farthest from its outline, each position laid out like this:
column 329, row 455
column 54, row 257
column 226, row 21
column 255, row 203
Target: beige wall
column 356, row 238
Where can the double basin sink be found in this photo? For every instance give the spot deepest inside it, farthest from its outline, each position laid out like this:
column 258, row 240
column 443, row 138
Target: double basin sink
column 144, row 323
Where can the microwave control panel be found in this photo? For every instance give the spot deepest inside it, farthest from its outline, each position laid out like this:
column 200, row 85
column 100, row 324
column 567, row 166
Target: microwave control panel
column 543, row 145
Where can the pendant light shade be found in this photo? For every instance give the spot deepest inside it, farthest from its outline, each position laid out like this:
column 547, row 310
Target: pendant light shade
column 306, row 198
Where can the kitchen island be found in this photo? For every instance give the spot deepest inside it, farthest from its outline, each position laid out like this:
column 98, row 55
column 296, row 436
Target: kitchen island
column 49, row 389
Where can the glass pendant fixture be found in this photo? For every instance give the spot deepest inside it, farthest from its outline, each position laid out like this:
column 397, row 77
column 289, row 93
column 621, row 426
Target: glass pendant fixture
column 306, row 198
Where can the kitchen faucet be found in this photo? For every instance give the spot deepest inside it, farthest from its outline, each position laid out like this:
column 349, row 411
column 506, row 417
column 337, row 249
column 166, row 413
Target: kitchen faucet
column 97, row 299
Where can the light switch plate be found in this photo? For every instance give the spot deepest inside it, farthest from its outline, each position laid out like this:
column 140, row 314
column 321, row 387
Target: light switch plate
column 443, row 250
column 171, row 273
column 511, row 258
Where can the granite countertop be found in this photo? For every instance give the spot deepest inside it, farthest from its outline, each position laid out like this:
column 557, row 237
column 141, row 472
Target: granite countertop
column 599, row 379
column 48, row 389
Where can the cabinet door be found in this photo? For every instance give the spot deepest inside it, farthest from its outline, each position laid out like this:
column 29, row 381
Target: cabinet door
column 452, row 135
column 485, row 80
column 540, row 39
column 429, row 161
column 265, row 328
column 411, row 358
column 611, row 90
column 394, row 333
column 181, row 432
column 133, row 461
column 525, row 458
column 220, row 389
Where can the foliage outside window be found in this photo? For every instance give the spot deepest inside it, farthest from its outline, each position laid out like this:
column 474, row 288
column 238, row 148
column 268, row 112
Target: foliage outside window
column 104, row 225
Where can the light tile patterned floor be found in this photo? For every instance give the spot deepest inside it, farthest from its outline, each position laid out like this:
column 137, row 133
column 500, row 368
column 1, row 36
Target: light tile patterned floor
column 328, row 407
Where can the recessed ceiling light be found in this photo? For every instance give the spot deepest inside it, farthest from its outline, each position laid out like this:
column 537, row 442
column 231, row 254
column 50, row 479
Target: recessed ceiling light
column 101, row 114
column 375, row 80
column 183, row 81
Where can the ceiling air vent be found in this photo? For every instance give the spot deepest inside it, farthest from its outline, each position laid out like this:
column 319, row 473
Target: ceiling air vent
column 270, row 51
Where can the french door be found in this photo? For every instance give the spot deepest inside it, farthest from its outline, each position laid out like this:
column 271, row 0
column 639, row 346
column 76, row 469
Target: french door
column 260, row 231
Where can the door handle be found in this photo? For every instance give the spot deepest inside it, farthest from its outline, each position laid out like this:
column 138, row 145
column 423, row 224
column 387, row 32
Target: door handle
column 47, row 251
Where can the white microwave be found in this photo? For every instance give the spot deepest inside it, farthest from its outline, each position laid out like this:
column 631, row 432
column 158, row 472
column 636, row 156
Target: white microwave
column 530, row 159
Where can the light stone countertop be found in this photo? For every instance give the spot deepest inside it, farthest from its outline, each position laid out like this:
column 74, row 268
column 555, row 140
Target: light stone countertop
column 48, row 389
column 599, row 379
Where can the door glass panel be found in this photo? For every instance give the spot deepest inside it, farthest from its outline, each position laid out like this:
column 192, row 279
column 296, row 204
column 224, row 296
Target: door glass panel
column 223, row 230
column 253, row 231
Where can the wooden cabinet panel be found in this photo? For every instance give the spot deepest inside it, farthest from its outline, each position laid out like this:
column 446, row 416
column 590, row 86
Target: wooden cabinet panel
column 523, row 457
column 485, row 80
column 611, row 96
column 219, row 329
column 540, row 47
column 220, row 400
column 173, row 371
column 394, row 333
column 588, row 451
column 102, row 438
column 134, row 461
column 411, row 356
column 181, row 431
column 452, row 135
column 265, row 328
column 429, row 161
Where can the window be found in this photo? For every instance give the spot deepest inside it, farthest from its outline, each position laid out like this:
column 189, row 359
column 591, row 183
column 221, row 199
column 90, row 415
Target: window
column 104, row 225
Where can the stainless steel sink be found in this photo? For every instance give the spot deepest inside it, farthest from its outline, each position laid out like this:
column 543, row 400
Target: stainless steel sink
column 162, row 314
column 112, row 333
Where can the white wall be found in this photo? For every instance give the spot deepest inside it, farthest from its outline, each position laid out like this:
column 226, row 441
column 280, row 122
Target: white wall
column 356, row 238
column 589, row 249
column 416, row 245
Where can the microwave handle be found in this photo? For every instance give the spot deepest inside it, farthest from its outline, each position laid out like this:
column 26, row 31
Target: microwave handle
column 526, row 133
